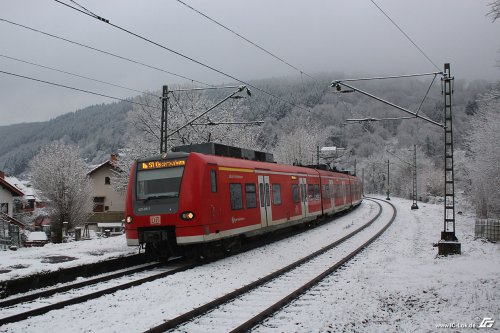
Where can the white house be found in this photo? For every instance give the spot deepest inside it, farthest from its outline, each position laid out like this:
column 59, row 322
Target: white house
column 109, row 204
column 7, row 194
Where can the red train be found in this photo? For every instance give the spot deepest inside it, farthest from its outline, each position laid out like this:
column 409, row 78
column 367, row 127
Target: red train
column 183, row 202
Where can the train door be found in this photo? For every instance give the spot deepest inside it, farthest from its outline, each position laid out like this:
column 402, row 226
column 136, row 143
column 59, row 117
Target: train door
column 344, row 191
column 331, row 189
column 303, row 196
column 349, row 193
column 265, row 201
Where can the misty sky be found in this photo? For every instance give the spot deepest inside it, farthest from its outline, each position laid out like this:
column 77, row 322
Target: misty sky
column 351, row 37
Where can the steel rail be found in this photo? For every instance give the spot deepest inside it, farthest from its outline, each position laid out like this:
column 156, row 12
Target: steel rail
column 91, row 281
column 296, row 293
column 190, row 315
column 76, row 300
column 80, row 299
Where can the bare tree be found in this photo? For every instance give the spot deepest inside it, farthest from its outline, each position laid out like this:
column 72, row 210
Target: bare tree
column 494, row 12
column 61, row 175
column 144, row 125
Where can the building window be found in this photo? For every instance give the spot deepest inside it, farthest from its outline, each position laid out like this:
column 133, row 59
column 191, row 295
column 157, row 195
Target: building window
column 107, row 180
column 251, row 195
column 30, row 204
column 295, row 193
column 277, row 194
column 4, row 207
column 98, row 204
column 236, row 196
column 213, row 180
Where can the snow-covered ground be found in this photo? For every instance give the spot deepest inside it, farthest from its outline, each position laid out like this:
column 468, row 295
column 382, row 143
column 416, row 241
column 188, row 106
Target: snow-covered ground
column 32, row 260
column 397, row 284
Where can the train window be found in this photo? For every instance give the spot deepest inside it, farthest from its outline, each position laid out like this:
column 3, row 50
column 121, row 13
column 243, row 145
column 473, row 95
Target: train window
column 277, row 194
column 251, row 195
column 261, row 191
column 236, row 196
column 213, row 180
column 316, row 192
column 327, row 191
column 295, row 193
column 159, row 183
column 268, row 200
column 311, row 192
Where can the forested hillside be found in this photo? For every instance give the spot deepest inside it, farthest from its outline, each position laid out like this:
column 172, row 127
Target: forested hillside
column 98, row 130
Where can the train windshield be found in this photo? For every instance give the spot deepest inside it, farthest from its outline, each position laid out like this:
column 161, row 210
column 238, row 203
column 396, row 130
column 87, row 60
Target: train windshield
column 159, row 183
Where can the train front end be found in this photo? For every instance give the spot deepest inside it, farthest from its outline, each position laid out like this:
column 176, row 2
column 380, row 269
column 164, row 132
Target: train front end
column 154, row 203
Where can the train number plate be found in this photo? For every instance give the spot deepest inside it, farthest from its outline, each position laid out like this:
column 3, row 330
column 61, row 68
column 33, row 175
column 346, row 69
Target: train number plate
column 155, row 220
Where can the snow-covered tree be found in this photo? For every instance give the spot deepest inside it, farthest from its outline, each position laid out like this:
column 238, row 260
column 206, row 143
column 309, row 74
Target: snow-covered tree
column 484, row 148
column 298, row 146
column 61, row 175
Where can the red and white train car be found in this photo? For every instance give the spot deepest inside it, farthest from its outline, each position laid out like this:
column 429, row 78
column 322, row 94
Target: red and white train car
column 184, row 200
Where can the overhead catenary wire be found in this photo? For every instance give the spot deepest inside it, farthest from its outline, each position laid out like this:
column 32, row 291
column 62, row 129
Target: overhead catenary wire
column 405, row 34
column 78, row 89
column 78, row 75
column 104, row 52
column 246, row 39
column 182, row 55
column 114, row 84
column 391, row 77
column 426, row 93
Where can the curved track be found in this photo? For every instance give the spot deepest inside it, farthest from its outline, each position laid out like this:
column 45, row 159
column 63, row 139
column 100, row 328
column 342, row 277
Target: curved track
column 247, row 306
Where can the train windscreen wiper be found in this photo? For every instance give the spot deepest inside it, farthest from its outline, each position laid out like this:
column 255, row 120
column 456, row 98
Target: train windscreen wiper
column 163, row 196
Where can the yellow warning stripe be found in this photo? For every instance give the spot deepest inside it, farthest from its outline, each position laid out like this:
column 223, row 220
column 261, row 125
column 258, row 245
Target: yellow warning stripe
column 235, row 169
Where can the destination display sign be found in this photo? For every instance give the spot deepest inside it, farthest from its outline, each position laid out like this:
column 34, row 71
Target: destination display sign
column 161, row 164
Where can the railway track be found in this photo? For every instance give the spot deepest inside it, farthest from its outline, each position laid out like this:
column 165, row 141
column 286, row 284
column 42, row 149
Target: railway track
column 34, row 304
column 249, row 305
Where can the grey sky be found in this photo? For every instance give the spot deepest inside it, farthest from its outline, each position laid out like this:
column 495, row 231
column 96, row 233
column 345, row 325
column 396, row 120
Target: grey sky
column 352, row 37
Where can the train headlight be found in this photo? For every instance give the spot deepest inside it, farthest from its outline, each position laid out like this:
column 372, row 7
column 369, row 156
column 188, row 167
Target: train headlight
column 187, row 216
column 128, row 219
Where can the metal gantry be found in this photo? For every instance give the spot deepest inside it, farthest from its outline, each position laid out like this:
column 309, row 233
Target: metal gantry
column 164, row 135
column 164, row 120
column 449, row 243
column 414, row 175
column 388, row 183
